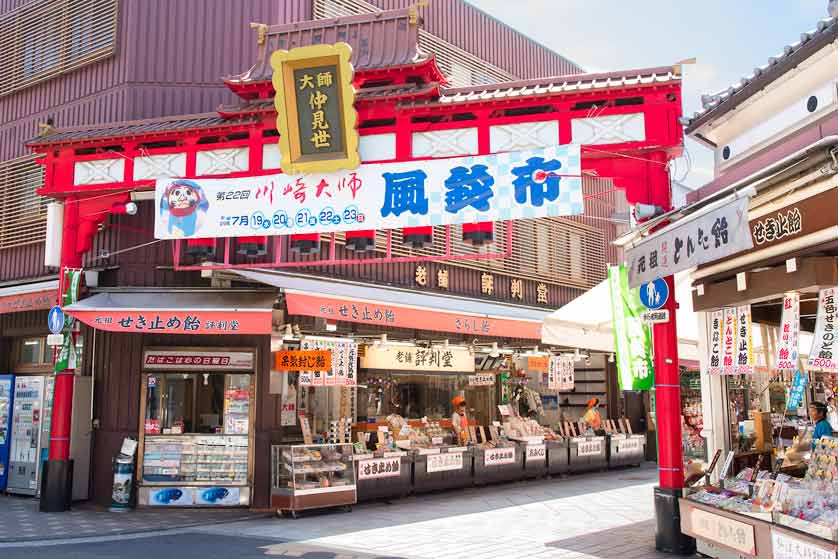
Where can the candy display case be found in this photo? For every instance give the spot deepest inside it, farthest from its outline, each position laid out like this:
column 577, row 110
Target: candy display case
column 448, row 467
column 626, row 450
column 588, row 454
column 383, row 475
column 496, row 462
column 312, row 476
column 558, row 456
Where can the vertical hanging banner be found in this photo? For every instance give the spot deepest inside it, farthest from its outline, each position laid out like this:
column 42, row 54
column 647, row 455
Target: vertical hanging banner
column 553, row 373
column 715, row 339
column 822, row 355
column 787, row 344
column 797, row 389
column 560, row 374
column 343, row 369
column 744, row 364
column 632, row 338
column 67, row 357
column 728, row 340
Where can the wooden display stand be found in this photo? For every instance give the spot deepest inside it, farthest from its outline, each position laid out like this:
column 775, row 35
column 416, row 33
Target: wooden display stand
column 723, row 534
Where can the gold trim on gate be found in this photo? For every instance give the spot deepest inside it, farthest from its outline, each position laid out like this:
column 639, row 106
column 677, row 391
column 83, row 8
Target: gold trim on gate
column 284, row 63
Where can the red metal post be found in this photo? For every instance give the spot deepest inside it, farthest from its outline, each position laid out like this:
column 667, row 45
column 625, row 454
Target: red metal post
column 668, row 397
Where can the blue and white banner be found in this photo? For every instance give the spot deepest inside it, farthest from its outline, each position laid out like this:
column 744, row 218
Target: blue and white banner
column 497, row 187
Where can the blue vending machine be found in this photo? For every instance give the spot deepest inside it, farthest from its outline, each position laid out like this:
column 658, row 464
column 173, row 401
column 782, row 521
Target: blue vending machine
column 7, row 393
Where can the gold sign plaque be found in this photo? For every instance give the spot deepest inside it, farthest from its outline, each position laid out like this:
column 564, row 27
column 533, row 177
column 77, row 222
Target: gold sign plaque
column 316, row 116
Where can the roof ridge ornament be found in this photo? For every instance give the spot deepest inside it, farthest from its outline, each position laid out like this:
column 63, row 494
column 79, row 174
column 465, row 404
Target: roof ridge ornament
column 261, row 32
column 413, row 12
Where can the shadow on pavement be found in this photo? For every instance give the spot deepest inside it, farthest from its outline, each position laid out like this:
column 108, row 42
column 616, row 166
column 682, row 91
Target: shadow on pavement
column 632, row 541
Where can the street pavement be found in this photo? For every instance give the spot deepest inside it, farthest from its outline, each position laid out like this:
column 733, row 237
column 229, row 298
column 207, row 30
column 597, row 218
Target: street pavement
column 599, row 516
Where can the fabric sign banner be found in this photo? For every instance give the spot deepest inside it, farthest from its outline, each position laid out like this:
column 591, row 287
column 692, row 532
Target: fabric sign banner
column 706, row 238
column 632, row 337
column 560, row 374
column 344, row 363
column 728, row 340
column 822, row 355
column 798, row 387
column 787, row 343
column 503, row 186
column 715, row 361
column 744, row 364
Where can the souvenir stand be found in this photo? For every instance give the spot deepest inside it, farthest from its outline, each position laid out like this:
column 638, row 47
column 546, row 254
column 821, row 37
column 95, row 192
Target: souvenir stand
column 624, row 447
column 587, row 453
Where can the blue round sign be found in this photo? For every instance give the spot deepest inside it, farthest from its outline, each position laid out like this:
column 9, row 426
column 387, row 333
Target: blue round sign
column 55, row 319
column 654, row 294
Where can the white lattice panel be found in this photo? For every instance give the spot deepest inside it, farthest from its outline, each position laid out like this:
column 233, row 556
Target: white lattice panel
column 445, row 143
column 221, row 161
column 149, row 167
column 525, row 135
column 271, row 156
column 612, row 129
column 99, row 171
column 377, row 147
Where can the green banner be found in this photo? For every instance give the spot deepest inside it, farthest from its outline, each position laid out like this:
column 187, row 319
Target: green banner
column 632, row 337
column 67, row 357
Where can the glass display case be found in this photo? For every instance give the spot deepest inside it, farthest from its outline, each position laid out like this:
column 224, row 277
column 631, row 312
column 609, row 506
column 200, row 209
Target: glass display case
column 312, row 476
column 202, row 459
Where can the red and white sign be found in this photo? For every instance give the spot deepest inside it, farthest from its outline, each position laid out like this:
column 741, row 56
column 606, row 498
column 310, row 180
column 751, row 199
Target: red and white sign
column 822, row 355
column 28, row 301
column 744, row 364
column 536, row 453
column 152, row 426
column 409, row 317
column 445, row 462
column 374, row 468
column 177, row 322
column 188, row 360
column 728, row 340
column 499, row 456
column 787, row 343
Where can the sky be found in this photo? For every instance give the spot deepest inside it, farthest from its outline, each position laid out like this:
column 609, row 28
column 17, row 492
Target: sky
column 728, row 38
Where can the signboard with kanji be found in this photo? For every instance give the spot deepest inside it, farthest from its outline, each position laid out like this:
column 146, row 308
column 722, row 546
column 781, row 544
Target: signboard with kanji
column 414, row 358
column 316, row 117
column 308, row 360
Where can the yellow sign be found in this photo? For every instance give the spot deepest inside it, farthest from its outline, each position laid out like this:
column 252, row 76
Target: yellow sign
column 316, row 116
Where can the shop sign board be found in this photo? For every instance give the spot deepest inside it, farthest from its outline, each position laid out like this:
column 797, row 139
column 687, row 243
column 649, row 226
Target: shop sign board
column 730, row 533
column 822, row 356
column 561, row 373
column 27, row 301
column 481, row 379
column 177, row 322
column 445, row 462
column 630, row 443
column 375, row 468
column 189, row 360
column 536, row 453
column 787, row 546
column 787, row 344
column 728, row 339
column 505, row 186
column 715, row 361
column 798, row 387
column 498, row 456
column 692, row 241
column 314, row 101
column 538, row 363
column 744, row 364
column 343, row 369
column 413, row 358
column 730, row 345
column 302, row 360
column 632, row 338
column 586, row 447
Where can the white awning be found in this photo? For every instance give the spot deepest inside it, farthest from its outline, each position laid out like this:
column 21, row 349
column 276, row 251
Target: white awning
column 26, row 288
column 585, row 322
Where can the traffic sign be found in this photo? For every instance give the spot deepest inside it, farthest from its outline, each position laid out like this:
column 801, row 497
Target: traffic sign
column 654, row 294
column 55, row 319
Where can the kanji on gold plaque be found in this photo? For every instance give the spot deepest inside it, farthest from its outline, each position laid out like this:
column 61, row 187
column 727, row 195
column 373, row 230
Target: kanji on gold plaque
column 516, row 289
column 421, row 276
column 487, row 283
column 316, row 117
column 442, row 278
column 542, row 293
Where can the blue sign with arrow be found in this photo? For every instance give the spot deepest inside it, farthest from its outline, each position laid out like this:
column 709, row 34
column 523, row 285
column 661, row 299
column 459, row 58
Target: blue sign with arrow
column 654, row 294
column 55, row 319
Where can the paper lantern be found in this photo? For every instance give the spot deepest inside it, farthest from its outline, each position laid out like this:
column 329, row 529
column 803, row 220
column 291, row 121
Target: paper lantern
column 201, row 248
column 252, row 247
column 307, row 243
column 479, row 233
column 418, row 237
column 360, row 241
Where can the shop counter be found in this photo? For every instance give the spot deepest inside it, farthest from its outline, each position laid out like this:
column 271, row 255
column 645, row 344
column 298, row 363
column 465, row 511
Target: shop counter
column 558, row 458
column 722, row 534
column 588, row 454
column 496, row 465
column 383, row 476
column 535, row 459
column 435, row 469
column 626, row 450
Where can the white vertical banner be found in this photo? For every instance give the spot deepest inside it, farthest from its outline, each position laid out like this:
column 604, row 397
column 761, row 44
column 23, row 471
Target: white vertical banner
column 569, row 374
column 822, row 355
column 787, row 343
column 553, row 372
column 744, row 364
column 344, row 363
column 715, row 361
column 728, row 340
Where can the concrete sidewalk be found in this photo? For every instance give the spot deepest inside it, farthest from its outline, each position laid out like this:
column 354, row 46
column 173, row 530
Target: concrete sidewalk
column 20, row 520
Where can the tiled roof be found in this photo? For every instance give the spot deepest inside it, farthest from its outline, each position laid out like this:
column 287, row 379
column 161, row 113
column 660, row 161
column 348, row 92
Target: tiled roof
column 378, row 40
column 562, row 84
column 139, row 128
column 716, row 104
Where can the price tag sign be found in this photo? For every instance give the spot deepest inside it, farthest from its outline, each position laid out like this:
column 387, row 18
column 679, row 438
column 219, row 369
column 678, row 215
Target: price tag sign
column 536, row 453
column 379, row 467
column 445, row 462
column 589, row 448
column 499, row 456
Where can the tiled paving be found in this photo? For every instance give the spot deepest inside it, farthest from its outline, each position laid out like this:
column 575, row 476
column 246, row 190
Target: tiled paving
column 20, row 520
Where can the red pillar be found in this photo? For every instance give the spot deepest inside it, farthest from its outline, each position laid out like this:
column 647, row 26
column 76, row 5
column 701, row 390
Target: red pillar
column 668, row 397
column 62, row 401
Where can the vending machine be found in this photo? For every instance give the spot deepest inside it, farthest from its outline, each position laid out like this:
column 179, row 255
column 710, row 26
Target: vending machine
column 25, row 455
column 7, row 385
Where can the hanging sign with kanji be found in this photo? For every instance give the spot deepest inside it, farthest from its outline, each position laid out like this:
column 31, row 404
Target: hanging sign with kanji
column 690, row 242
column 728, row 340
column 560, row 375
column 302, row 360
column 504, row 186
column 715, row 343
column 787, row 342
column 632, row 338
column 314, row 101
column 730, row 346
column 341, row 371
column 822, row 355
column 744, row 364
column 414, row 358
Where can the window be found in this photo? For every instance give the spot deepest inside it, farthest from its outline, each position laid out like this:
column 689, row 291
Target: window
column 24, row 212
column 49, row 37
